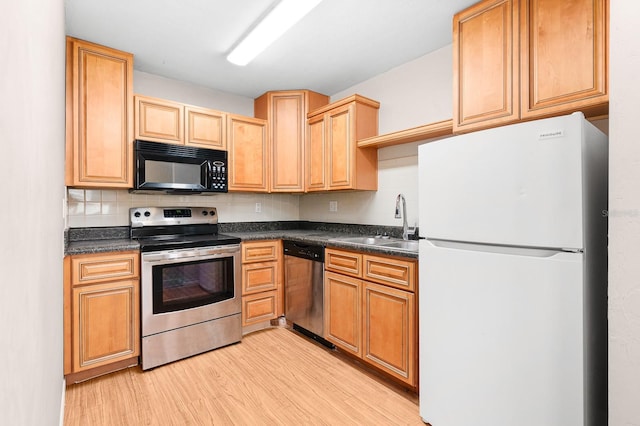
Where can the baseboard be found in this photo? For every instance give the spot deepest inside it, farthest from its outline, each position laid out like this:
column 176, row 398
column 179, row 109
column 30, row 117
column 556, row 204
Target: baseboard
column 64, row 390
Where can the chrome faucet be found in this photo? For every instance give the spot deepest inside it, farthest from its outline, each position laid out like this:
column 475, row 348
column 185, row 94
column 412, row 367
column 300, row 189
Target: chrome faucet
column 405, row 232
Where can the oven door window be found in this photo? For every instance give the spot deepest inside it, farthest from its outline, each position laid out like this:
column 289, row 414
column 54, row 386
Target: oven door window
column 184, row 285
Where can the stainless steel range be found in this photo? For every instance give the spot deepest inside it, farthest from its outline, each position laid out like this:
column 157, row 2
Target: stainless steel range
column 190, row 283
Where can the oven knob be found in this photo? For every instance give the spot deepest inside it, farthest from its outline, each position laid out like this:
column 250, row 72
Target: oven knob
column 204, row 212
column 137, row 214
column 147, row 213
column 212, row 213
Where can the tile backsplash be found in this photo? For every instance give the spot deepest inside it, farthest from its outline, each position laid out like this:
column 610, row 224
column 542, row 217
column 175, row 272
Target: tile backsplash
column 92, row 207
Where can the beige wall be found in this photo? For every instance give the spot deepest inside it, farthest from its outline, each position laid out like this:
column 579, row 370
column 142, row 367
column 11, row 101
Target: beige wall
column 32, row 48
column 413, row 94
column 624, row 218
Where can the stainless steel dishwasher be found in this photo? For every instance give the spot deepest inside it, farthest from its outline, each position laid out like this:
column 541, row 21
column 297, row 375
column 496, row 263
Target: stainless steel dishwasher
column 304, row 288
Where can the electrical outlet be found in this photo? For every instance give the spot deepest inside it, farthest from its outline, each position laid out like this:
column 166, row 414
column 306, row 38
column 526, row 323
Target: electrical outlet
column 258, row 207
column 333, row 206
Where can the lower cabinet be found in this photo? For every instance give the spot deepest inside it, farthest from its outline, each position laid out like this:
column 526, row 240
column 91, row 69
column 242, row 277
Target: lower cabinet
column 101, row 309
column 262, row 283
column 374, row 321
column 343, row 315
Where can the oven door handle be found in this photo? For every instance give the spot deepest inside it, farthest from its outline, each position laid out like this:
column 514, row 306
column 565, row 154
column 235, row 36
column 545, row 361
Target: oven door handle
column 190, row 253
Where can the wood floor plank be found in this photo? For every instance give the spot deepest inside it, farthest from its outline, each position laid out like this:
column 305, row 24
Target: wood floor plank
column 273, row 377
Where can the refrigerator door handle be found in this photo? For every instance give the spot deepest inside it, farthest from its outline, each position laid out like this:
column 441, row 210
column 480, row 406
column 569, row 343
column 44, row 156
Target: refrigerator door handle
column 512, row 250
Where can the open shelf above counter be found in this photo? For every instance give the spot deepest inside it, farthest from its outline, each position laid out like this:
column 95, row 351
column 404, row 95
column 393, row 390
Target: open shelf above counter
column 428, row 131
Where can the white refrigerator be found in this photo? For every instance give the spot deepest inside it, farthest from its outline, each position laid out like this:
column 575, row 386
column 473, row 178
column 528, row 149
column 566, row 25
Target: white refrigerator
column 513, row 276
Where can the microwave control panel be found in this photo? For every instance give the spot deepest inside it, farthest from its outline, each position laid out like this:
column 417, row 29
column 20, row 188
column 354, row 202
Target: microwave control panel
column 218, row 175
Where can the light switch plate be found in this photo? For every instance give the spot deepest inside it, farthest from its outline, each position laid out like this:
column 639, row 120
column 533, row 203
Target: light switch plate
column 333, row 206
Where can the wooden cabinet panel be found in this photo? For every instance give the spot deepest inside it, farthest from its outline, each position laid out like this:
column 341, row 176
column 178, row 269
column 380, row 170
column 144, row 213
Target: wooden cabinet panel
column 257, row 277
column 335, row 145
column 316, row 156
column 344, row 262
column 106, row 324
column 205, row 128
column 262, row 282
column 376, row 321
column 485, row 65
column 248, row 154
column 342, row 312
column 287, row 138
column 94, row 268
column 389, row 331
column 159, row 120
column 340, row 133
column 395, row 272
column 99, row 116
column 523, row 59
column 259, row 307
column 260, row 251
column 564, row 56
column 286, row 115
column 101, row 313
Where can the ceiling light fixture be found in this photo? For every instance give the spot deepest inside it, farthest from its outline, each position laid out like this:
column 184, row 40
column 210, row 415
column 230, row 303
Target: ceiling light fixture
column 276, row 23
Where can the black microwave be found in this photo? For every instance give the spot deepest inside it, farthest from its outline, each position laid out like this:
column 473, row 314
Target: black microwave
column 178, row 169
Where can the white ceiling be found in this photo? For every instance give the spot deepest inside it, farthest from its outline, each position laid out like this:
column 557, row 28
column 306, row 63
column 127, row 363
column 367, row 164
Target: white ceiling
column 338, row 44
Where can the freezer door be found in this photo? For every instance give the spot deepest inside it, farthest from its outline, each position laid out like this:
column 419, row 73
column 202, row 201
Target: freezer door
column 501, row 337
column 516, row 185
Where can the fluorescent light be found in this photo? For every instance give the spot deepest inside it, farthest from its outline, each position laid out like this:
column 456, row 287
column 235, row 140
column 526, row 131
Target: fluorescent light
column 276, row 23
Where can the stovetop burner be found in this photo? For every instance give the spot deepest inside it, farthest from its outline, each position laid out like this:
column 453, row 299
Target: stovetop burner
column 170, row 228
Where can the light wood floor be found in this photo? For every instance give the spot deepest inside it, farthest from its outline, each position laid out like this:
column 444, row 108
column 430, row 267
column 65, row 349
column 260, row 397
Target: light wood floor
column 273, row 377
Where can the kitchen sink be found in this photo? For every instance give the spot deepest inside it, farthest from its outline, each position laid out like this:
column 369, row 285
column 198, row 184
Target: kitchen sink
column 360, row 240
column 402, row 245
column 380, row 242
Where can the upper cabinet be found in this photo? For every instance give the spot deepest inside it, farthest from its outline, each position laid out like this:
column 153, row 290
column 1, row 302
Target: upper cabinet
column 248, row 148
column 166, row 121
column 524, row 59
column 99, row 116
column 333, row 159
column 286, row 115
column 564, row 65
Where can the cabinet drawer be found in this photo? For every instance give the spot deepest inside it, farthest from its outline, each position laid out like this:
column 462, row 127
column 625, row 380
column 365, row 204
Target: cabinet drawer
column 95, row 268
column 259, row 307
column 390, row 271
column 343, row 261
column 260, row 251
column 257, row 277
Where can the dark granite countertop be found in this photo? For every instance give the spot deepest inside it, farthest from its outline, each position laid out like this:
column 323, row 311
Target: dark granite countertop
column 101, row 240
column 100, row 246
column 323, row 238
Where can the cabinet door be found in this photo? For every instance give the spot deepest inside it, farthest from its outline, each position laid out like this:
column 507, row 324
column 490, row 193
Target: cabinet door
column 340, row 147
column 389, row 331
column 342, row 312
column 564, row 56
column 248, row 154
column 205, row 128
column 159, row 120
column 485, row 65
column 287, row 139
column 99, row 116
column 106, row 324
column 316, row 155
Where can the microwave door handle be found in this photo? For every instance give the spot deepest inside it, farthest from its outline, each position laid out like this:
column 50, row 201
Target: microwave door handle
column 209, row 174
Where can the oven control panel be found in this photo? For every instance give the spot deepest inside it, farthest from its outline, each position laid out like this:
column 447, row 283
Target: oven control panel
column 160, row 216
